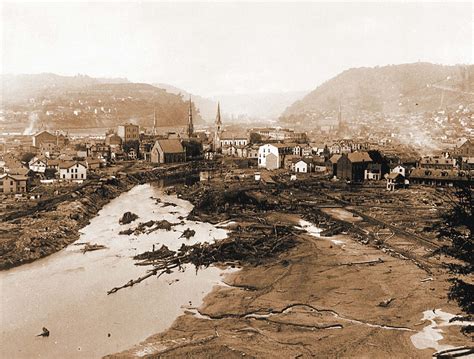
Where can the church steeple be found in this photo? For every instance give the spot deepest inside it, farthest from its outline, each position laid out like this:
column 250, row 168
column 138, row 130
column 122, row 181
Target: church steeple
column 154, row 121
column 217, row 134
column 218, row 116
column 190, row 120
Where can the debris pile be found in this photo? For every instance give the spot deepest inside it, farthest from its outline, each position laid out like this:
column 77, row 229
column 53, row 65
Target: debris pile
column 240, row 247
column 128, row 217
column 149, row 227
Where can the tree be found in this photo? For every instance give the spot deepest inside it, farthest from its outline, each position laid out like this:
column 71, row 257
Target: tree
column 193, row 149
column 127, row 146
column 255, row 138
column 27, row 157
column 457, row 226
column 50, row 173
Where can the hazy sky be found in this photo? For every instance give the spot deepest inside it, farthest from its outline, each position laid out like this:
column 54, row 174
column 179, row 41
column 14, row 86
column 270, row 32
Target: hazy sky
column 227, row 47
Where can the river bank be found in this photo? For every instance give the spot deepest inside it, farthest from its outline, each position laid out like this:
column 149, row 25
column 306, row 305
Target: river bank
column 346, row 295
column 52, row 224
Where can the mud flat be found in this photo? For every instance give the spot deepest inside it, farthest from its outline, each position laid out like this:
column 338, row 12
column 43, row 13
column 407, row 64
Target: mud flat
column 312, row 302
column 325, row 297
column 67, row 291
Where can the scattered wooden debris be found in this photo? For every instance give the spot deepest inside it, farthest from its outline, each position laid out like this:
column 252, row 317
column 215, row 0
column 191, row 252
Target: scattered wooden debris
column 188, row 233
column 386, row 303
column 128, row 217
column 44, row 333
column 169, row 204
column 371, row 262
column 454, row 352
column 92, row 247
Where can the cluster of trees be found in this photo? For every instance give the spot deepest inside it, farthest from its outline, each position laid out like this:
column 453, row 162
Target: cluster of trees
column 457, row 225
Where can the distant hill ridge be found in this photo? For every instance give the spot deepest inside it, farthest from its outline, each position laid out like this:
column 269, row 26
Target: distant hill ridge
column 390, row 89
column 85, row 102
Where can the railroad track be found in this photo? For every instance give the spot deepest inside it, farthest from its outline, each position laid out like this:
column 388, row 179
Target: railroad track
column 399, row 231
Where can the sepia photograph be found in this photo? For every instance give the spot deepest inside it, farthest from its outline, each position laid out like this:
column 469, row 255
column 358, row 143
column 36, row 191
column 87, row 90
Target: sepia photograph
column 236, row 179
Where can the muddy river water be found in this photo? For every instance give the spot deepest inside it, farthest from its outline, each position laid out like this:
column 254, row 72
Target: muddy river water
column 67, row 292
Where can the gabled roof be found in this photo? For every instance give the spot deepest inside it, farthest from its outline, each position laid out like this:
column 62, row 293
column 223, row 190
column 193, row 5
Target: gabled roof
column 92, row 160
column 69, row 164
column 14, row 177
column 334, row 158
column 356, row 157
column 18, row 171
column 394, row 175
column 44, row 132
column 53, row 162
column 233, row 136
column 170, row 146
column 308, row 161
column 35, row 160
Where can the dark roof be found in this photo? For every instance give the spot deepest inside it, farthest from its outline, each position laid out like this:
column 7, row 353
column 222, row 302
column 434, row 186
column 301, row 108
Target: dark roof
column 171, row 146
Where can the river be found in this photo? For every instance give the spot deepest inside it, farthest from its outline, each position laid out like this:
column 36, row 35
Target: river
column 67, row 291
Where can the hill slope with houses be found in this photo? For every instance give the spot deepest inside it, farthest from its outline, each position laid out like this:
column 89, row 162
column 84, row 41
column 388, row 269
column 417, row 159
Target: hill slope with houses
column 48, row 101
column 393, row 89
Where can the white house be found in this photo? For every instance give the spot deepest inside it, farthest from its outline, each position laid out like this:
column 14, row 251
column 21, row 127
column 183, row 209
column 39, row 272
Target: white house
column 303, row 165
column 399, row 169
column 37, row 165
column 72, row 170
column 269, row 156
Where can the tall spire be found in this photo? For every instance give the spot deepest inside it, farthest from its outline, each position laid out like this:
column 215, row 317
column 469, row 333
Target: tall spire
column 218, row 115
column 217, row 134
column 190, row 119
column 154, row 121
